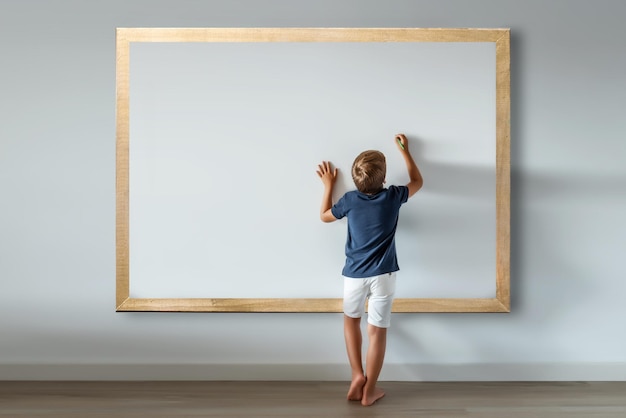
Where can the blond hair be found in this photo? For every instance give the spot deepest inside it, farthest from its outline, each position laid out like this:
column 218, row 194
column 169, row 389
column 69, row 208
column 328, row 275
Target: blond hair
column 368, row 171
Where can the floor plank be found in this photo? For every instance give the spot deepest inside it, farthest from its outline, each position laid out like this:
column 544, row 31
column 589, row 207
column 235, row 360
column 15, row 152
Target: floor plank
column 312, row 399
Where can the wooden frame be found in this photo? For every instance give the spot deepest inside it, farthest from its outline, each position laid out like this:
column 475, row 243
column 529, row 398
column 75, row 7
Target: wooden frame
column 501, row 38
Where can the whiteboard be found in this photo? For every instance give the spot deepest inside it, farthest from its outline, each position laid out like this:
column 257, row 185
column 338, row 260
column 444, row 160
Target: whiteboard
column 225, row 138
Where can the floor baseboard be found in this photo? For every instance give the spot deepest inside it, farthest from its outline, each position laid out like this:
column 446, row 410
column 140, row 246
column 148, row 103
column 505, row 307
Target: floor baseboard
column 318, row 372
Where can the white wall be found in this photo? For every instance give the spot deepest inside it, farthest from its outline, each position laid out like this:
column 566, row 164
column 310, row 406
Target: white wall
column 57, row 213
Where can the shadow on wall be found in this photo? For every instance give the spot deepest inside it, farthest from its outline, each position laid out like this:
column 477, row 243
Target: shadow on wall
column 550, row 288
column 539, row 303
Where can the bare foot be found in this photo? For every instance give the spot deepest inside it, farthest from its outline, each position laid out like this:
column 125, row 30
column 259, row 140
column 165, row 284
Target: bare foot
column 355, row 393
column 370, row 398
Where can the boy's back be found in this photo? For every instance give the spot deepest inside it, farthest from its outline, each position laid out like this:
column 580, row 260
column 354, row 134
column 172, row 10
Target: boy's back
column 372, row 222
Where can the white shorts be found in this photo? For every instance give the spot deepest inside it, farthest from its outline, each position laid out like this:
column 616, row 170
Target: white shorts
column 379, row 290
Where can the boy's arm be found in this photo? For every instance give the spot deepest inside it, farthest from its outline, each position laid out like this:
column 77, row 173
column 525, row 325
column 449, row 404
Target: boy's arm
column 415, row 177
column 328, row 177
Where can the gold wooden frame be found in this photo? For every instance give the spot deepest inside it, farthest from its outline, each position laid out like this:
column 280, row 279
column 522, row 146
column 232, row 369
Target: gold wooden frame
column 501, row 38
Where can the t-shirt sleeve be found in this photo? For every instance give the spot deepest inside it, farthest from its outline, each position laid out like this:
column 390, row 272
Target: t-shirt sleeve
column 339, row 209
column 400, row 192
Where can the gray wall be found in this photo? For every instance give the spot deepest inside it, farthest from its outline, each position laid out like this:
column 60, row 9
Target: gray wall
column 57, row 213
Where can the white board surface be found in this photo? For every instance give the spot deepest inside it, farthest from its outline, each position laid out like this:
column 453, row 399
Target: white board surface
column 225, row 139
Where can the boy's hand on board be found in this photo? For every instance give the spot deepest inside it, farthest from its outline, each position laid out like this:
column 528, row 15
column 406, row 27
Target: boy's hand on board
column 327, row 174
column 402, row 142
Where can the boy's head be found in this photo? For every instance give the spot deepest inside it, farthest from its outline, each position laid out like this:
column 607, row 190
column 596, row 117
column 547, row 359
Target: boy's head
column 368, row 171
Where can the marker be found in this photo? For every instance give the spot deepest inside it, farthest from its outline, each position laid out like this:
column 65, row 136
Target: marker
column 400, row 143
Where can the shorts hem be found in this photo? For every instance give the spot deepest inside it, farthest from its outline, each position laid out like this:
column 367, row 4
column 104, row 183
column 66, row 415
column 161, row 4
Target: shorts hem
column 378, row 325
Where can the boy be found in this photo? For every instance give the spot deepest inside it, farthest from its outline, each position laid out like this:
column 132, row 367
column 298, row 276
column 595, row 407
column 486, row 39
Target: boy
column 371, row 263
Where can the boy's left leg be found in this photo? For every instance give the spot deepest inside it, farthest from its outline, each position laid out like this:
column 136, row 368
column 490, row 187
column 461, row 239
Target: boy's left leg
column 383, row 289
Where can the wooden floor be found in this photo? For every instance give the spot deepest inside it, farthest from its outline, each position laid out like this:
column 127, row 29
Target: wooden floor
column 311, row 399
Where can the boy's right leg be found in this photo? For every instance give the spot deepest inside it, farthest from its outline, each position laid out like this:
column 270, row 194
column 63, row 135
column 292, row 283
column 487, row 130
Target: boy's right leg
column 354, row 294
column 354, row 340
column 374, row 364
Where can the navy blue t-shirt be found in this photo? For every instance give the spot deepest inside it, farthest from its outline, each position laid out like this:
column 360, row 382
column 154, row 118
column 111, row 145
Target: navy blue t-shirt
column 372, row 222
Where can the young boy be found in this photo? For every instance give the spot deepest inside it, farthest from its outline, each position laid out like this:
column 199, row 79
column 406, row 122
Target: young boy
column 371, row 263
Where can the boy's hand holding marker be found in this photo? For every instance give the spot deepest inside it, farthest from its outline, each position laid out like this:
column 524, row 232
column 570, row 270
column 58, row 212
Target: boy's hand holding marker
column 415, row 176
column 403, row 143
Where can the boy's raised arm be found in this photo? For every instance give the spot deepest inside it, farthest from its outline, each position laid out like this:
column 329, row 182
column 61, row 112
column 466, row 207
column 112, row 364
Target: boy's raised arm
column 328, row 177
column 415, row 177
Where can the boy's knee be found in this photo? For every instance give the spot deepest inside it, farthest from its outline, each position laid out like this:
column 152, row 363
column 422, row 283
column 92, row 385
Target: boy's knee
column 352, row 319
column 374, row 330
